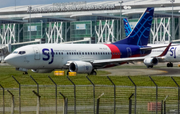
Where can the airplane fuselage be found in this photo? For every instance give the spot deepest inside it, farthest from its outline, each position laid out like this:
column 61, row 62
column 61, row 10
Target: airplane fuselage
column 85, row 58
column 45, row 56
column 173, row 54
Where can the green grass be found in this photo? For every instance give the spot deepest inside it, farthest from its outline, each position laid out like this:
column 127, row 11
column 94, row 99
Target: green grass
column 6, row 80
column 85, row 93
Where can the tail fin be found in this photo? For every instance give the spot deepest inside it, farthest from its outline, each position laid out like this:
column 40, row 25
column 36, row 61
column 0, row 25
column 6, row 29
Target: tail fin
column 165, row 51
column 127, row 27
column 140, row 34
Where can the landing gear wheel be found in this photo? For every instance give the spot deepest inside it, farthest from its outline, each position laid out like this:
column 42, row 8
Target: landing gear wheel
column 150, row 66
column 93, row 73
column 25, row 72
column 170, row 64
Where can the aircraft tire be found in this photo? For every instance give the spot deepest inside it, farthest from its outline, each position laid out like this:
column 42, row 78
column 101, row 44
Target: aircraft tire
column 171, row 64
column 150, row 66
column 25, row 73
column 94, row 73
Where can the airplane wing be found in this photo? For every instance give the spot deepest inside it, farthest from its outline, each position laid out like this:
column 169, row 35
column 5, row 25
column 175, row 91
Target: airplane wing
column 155, row 47
column 121, row 60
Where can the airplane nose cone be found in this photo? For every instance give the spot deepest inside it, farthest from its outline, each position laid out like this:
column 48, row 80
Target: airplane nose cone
column 9, row 59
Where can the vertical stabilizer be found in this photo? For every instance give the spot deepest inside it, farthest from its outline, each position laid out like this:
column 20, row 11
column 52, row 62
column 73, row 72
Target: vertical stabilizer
column 140, row 34
column 127, row 27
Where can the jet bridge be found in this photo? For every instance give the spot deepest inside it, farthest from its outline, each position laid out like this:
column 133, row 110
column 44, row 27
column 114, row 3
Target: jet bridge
column 4, row 51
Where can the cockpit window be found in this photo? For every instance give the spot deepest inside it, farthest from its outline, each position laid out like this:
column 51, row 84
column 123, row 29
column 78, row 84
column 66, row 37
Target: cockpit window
column 21, row 52
column 15, row 51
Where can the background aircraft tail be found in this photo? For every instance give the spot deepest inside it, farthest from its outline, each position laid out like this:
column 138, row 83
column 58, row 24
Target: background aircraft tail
column 140, row 34
column 127, row 27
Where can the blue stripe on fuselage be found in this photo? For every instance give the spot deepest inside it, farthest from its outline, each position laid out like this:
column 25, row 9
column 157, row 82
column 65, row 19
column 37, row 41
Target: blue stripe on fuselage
column 131, row 51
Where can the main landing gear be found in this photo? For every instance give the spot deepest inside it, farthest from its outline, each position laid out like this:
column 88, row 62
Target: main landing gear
column 169, row 64
column 150, row 66
column 93, row 72
column 24, row 73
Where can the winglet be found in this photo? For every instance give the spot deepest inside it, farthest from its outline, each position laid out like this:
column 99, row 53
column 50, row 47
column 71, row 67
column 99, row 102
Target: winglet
column 165, row 51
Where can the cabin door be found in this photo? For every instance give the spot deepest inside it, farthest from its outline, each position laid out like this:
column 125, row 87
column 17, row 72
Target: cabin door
column 36, row 53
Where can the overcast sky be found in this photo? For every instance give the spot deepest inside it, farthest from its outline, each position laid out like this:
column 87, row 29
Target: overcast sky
column 7, row 3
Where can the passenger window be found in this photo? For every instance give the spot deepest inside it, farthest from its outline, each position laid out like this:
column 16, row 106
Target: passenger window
column 74, row 53
column 82, row 53
column 61, row 53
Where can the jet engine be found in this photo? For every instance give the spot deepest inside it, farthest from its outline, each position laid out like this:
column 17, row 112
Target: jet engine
column 80, row 67
column 150, row 62
column 42, row 70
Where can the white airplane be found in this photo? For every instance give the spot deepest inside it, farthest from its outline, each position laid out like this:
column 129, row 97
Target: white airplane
column 173, row 54
column 85, row 58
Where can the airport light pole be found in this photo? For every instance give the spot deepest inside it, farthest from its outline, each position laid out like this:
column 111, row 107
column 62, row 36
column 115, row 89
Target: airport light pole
column 120, row 18
column 172, row 36
column 41, row 28
column 30, row 8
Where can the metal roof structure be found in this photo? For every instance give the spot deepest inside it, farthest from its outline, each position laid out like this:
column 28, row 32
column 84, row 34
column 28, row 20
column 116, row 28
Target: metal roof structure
column 99, row 21
column 111, row 8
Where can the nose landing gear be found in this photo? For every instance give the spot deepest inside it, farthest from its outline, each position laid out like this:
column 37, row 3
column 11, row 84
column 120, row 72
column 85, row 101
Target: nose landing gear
column 24, row 73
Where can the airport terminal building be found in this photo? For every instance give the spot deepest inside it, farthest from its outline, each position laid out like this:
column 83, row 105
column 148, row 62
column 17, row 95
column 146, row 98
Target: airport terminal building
column 85, row 22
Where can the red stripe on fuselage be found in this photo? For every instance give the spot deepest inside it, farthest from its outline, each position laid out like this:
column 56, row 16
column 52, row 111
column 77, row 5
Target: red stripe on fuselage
column 114, row 50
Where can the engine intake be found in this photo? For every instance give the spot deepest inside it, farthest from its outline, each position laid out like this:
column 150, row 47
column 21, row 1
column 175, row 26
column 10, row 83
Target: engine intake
column 80, row 67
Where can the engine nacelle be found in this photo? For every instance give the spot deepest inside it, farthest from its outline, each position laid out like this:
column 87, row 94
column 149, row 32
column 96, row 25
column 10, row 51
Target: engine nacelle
column 80, row 67
column 150, row 61
column 42, row 70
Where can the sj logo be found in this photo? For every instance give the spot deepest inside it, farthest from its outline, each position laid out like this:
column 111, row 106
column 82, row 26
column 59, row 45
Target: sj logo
column 173, row 51
column 48, row 54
